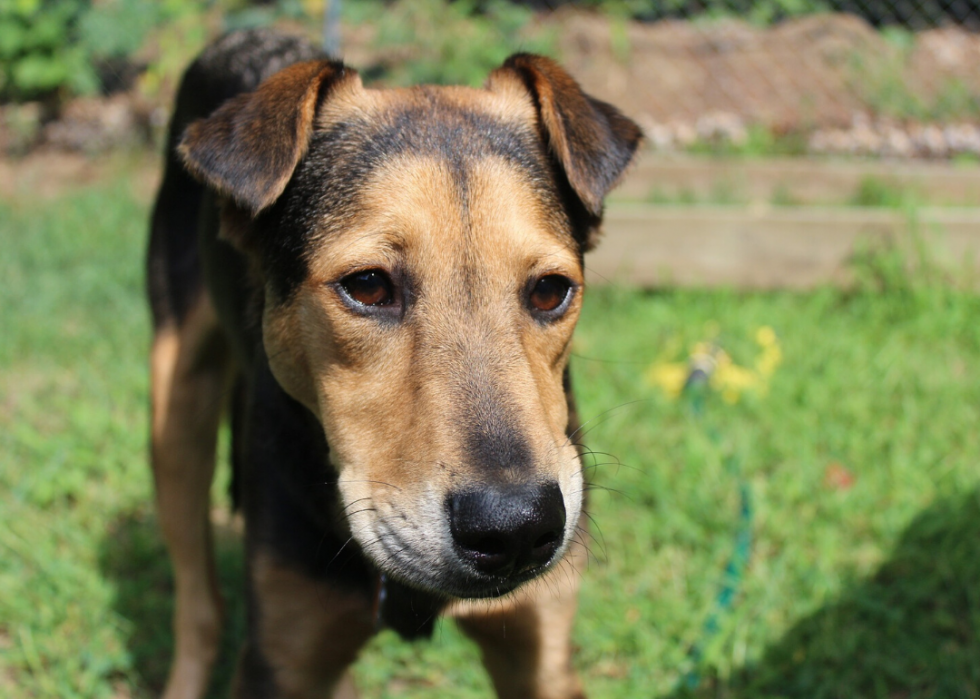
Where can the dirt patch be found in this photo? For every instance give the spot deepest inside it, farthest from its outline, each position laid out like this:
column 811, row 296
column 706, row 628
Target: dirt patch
column 48, row 173
column 800, row 74
column 86, row 124
column 679, row 71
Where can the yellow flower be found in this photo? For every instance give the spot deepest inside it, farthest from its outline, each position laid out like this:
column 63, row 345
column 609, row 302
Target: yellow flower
column 731, row 380
column 772, row 355
column 768, row 361
column 726, row 377
column 766, row 336
column 669, row 377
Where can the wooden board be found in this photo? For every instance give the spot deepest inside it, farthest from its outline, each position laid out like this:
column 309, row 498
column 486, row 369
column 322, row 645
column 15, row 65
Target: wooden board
column 765, row 247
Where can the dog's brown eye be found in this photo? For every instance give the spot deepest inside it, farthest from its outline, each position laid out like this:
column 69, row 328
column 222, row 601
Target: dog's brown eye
column 550, row 292
column 370, row 288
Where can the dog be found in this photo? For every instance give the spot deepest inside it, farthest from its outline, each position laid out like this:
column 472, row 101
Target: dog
column 380, row 288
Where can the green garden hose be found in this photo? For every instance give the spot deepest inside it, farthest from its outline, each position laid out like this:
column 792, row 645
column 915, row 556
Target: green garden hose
column 697, row 388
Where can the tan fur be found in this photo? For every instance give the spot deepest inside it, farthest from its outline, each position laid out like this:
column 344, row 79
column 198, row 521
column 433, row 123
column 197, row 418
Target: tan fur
column 526, row 637
column 505, row 100
column 189, row 380
column 387, row 398
column 308, row 632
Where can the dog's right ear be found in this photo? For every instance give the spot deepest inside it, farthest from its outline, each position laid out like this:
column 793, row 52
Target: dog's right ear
column 591, row 140
column 249, row 147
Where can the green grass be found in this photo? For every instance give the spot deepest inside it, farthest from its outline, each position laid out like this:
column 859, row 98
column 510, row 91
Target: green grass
column 868, row 588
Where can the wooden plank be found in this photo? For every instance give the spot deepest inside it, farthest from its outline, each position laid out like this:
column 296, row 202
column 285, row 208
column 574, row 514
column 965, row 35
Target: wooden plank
column 803, row 181
column 765, row 247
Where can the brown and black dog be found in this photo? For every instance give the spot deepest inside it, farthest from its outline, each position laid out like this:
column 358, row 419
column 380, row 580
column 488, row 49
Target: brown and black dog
column 381, row 287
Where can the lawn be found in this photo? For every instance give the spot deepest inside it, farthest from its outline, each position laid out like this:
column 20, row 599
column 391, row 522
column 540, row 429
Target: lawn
column 858, row 462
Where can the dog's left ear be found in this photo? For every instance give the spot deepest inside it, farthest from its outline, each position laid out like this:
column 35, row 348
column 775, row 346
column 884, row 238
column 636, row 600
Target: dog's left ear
column 592, row 141
column 249, row 147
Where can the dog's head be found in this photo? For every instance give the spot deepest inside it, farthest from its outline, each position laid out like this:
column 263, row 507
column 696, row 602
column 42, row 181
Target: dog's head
column 421, row 252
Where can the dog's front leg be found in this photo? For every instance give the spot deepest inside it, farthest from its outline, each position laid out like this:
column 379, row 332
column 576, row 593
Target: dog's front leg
column 526, row 639
column 303, row 635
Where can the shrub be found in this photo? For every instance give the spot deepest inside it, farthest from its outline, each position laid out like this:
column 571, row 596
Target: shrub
column 454, row 43
column 50, row 49
column 39, row 49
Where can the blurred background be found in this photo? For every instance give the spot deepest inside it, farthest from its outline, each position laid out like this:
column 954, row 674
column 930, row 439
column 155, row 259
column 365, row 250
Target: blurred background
column 777, row 361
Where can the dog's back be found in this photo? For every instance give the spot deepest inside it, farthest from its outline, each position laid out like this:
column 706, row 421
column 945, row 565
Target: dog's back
column 235, row 64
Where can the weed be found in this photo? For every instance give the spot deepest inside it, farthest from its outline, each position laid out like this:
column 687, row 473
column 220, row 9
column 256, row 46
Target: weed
column 782, row 195
column 456, row 43
column 619, row 39
column 760, row 142
column 965, row 160
column 907, row 266
column 876, row 192
column 723, row 192
column 882, row 83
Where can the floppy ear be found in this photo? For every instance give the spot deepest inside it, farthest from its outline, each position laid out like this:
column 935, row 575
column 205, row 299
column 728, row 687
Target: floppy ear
column 592, row 141
column 248, row 148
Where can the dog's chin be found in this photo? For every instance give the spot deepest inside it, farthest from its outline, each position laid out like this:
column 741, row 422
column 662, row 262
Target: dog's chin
column 456, row 580
column 431, row 564
column 465, row 586
column 494, row 589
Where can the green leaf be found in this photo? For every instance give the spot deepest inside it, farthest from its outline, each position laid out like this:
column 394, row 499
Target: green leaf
column 11, row 38
column 24, row 8
column 118, row 29
column 37, row 73
column 47, row 31
column 82, row 78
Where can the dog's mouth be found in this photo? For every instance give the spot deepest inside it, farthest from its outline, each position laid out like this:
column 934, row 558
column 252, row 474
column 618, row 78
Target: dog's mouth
column 482, row 544
column 452, row 577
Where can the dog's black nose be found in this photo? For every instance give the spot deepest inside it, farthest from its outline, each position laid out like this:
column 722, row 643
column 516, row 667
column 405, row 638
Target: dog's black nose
column 504, row 531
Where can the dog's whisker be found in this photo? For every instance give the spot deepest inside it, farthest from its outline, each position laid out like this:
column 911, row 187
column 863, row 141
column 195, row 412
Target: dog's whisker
column 346, row 507
column 615, row 460
column 604, row 414
column 583, row 535
column 600, row 539
column 339, row 551
column 416, row 462
column 590, row 554
column 356, row 480
column 602, row 360
column 596, row 487
column 357, row 512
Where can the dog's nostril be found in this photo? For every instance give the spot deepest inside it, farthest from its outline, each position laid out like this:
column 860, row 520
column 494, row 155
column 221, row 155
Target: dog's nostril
column 488, row 546
column 490, row 554
column 546, row 539
column 503, row 531
column 544, row 547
